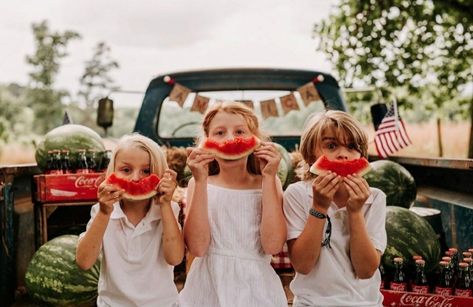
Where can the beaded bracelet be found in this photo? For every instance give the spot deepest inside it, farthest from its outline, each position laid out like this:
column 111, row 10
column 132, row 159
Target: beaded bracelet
column 328, row 231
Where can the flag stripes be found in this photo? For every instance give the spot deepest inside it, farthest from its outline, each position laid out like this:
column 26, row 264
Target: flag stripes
column 391, row 135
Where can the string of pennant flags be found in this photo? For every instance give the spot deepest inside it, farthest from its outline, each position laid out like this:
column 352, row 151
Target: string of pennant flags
column 308, row 93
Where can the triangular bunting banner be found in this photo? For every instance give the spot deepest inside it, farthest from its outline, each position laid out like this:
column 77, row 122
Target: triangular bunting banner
column 200, row 103
column 288, row 103
column 179, row 94
column 308, row 93
column 268, row 108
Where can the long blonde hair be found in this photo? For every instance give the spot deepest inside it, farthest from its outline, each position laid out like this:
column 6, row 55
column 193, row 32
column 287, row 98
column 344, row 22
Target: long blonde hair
column 158, row 163
column 251, row 119
column 346, row 127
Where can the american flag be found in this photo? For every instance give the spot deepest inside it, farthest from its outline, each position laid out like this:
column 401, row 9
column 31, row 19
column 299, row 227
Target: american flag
column 391, row 135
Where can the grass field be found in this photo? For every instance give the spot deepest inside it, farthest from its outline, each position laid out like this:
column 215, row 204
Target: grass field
column 424, row 143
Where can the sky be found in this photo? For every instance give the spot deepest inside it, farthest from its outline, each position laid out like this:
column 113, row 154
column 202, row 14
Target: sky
column 149, row 38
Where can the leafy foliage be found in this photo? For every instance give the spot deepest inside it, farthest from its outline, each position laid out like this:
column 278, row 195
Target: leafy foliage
column 422, row 49
column 43, row 98
column 96, row 81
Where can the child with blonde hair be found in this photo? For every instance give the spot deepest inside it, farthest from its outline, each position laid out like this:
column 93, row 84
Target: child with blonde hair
column 235, row 220
column 140, row 240
column 336, row 225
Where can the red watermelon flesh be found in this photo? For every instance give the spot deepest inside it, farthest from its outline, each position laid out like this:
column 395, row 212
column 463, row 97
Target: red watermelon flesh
column 136, row 190
column 341, row 167
column 234, row 149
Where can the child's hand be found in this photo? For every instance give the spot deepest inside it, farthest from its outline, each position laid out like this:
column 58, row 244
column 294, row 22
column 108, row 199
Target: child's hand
column 269, row 158
column 107, row 195
column 198, row 161
column 166, row 187
column 324, row 188
column 358, row 191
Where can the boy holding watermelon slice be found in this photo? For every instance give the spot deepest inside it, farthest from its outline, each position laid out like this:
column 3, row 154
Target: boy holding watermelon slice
column 336, row 222
column 235, row 220
column 134, row 227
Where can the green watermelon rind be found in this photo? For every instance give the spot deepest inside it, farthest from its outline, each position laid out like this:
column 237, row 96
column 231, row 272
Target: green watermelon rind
column 53, row 276
column 285, row 170
column 408, row 235
column 71, row 137
column 395, row 181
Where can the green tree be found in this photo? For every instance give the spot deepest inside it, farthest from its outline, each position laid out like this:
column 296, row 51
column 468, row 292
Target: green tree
column 96, row 81
column 415, row 47
column 44, row 99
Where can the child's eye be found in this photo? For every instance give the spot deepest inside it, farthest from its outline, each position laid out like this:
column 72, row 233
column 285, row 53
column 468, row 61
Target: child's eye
column 147, row 171
column 125, row 170
column 218, row 133
column 352, row 146
column 240, row 132
column 331, row 145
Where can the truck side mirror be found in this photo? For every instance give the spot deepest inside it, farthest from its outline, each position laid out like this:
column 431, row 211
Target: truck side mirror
column 105, row 113
column 377, row 114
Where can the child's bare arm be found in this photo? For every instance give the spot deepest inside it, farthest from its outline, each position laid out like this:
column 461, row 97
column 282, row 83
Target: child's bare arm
column 364, row 256
column 90, row 244
column 196, row 225
column 273, row 225
column 173, row 241
column 305, row 250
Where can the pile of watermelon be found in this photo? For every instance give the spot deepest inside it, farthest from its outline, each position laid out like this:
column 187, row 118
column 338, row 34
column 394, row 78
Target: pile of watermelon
column 53, row 277
column 395, row 181
column 409, row 234
column 71, row 137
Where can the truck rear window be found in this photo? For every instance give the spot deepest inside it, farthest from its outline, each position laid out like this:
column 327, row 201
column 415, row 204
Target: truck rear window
column 277, row 116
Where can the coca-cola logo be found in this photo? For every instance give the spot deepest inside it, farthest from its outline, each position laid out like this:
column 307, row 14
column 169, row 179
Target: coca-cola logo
column 88, row 182
column 409, row 299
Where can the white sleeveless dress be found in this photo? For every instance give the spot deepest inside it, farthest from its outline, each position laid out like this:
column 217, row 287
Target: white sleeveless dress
column 234, row 272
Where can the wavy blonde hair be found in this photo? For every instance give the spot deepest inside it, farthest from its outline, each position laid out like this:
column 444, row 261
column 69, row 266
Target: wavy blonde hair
column 238, row 108
column 158, row 163
column 347, row 128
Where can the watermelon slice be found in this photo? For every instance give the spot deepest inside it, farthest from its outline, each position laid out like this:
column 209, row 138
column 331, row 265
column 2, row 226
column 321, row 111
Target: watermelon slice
column 136, row 190
column 232, row 149
column 343, row 168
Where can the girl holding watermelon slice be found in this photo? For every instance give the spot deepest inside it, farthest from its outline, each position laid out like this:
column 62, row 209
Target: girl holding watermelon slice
column 134, row 228
column 336, row 224
column 235, row 220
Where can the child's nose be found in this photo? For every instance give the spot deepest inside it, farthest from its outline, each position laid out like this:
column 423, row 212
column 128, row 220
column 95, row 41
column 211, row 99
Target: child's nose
column 342, row 153
column 135, row 176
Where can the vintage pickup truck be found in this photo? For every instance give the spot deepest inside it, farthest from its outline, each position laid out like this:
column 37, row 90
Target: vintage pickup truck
column 277, row 95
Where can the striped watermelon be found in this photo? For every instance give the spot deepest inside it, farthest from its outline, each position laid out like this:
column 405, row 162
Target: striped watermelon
column 409, row 235
column 71, row 137
column 395, row 181
column 285, row 170
column 53, row 277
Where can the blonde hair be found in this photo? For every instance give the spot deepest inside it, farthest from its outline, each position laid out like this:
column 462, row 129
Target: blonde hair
column 158, row 163
column 347, row 129
column 238, row 108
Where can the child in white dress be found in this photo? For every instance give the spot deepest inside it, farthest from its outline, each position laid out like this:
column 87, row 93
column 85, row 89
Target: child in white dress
column 235, row 221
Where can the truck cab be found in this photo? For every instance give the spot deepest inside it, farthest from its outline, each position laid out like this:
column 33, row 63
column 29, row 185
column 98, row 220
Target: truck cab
column 171, row 124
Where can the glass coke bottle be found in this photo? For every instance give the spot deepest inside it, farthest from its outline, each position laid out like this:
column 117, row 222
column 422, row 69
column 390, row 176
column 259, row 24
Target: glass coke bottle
column 463, row 282
column 82, row 165
column 420, row 284
column 443, row 286
column 399, row 282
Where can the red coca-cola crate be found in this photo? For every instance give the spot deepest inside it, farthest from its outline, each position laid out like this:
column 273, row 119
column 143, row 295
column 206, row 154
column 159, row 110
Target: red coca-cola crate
column 67, row 187
column 401, row 298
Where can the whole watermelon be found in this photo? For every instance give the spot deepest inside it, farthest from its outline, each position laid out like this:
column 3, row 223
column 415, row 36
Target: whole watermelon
column 53, row 277
column 409, row 235
column 285, row 170
column 395, row 181
column 71, row 137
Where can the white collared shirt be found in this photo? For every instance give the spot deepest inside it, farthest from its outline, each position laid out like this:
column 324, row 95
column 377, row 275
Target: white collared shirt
column 134, row 271
column 332, row 281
